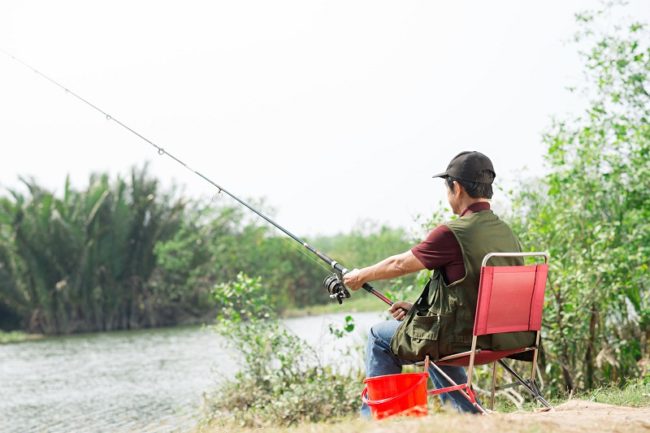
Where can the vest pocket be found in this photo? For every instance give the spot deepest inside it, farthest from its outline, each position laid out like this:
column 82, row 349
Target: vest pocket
column 417, row 337
column 424, row 327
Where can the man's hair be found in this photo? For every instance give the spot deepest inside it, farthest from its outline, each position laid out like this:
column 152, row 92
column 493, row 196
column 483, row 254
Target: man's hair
column 474, row 189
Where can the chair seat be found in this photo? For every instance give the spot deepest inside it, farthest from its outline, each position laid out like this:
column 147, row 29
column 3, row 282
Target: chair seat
column 510, row 299
column 482, row 357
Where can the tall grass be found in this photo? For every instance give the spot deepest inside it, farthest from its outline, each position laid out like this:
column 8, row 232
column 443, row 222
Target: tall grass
column 124, row 253
column 82, row 261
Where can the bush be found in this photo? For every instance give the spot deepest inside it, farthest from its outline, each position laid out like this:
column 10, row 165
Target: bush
column 592, row 213
column 282, row 381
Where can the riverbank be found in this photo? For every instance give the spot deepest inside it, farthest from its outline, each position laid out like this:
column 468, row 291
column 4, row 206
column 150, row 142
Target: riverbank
column 573, row 416
column 358, row 303
column 17, row 337
column 602, row 410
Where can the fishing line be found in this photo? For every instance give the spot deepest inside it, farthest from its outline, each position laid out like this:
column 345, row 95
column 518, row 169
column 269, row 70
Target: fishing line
column 302, row 252
column 333, row 283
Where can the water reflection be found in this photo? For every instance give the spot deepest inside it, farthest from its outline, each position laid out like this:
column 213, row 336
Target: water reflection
column 145, row 381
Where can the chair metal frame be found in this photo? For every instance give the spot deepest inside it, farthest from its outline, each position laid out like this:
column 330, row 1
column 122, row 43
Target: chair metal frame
column 466, row 388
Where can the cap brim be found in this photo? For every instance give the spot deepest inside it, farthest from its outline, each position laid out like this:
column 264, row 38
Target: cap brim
column 441, row 175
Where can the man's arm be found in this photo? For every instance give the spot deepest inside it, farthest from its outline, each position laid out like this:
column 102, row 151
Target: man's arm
column 394, row 266
column 391, row 267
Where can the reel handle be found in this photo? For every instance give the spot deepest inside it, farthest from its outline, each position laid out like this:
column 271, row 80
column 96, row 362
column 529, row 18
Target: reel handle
column 339, row 291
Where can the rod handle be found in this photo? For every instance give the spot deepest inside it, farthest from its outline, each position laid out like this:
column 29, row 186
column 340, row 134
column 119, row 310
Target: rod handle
column 368, row 288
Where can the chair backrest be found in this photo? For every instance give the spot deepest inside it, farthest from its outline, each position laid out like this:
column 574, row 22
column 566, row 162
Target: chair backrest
column 510, row 298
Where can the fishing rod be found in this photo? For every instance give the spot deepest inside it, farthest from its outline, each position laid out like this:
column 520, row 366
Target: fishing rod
column 333, row 283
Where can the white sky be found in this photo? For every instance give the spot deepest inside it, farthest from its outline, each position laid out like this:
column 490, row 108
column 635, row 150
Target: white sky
column 334, row 111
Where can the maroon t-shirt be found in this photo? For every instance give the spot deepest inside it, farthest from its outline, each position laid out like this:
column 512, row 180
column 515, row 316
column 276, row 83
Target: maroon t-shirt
column 441, row 250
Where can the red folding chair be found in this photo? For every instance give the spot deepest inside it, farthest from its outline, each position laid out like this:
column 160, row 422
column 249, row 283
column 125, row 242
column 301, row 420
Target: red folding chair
column 510, row 299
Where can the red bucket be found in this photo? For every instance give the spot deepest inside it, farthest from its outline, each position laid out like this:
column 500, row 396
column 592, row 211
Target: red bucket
column 392, row 394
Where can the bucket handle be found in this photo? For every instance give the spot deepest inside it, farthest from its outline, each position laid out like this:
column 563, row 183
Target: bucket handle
column 364, row 393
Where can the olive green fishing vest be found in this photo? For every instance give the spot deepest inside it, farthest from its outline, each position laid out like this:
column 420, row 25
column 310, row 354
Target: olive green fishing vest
column 441, row 321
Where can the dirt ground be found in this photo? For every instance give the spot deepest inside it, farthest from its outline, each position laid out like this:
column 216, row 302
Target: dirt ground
column 574, row 416
column 583, row 416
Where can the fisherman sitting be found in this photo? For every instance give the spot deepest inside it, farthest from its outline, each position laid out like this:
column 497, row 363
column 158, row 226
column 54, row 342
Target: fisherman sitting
column 441, row 320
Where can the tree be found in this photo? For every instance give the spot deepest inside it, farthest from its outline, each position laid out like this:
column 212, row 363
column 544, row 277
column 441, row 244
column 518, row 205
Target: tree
column 592, row 212
column 82, row 261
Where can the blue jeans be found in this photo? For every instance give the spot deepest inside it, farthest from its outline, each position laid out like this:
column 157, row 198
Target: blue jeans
column 380, row 360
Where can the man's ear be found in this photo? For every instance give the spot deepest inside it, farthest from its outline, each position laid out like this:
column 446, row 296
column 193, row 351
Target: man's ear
column 458, row 189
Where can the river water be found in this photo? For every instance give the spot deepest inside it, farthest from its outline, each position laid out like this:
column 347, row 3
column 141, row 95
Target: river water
column 139, row 381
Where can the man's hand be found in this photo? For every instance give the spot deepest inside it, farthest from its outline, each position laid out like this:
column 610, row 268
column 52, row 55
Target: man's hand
column 391, row 267
column 399, row 309
column 352, row 280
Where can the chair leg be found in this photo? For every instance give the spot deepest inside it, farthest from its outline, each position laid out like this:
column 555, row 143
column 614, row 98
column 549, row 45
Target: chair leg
column 468, row 393
column 494, row 383
column 530, row 386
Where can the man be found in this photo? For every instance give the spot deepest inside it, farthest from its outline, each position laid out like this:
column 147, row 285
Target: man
column 440, row 322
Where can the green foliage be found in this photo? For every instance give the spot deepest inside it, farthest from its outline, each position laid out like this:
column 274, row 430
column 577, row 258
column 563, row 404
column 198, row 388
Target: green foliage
column 215, row 244
column 281, row 381
column 13, row 337
column 366, row 245
column 636, row 393
column 360, row 301
column 592, row 213
column 123, row 254
column 340, row 331
column 82, row 261
column 242, row 300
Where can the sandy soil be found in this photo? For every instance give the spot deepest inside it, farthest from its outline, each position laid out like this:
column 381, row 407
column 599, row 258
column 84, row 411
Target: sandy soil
column 584, row 416
column 575, row 416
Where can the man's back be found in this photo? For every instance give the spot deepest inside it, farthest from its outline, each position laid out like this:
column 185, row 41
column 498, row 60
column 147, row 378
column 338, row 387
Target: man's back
column 442, row 319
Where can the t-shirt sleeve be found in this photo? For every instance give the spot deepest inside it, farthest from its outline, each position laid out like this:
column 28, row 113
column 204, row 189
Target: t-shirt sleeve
column 439, row 249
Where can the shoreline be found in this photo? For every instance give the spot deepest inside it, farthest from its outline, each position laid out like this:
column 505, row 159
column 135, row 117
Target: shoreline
column 358, row 304
column 361, row 304
column 11, row 337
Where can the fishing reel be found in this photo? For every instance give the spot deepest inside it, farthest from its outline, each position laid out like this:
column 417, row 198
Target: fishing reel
column 335, row 287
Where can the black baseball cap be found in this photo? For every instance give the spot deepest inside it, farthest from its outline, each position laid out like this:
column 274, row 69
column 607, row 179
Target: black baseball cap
column 470, row 166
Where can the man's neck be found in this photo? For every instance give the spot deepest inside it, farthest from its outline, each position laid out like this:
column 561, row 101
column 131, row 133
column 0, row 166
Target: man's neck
column 467, row 203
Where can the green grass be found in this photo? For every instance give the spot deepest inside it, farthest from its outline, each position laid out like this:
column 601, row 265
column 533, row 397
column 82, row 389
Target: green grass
column 634, row 394
column 16, row 337
column 358, row 303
